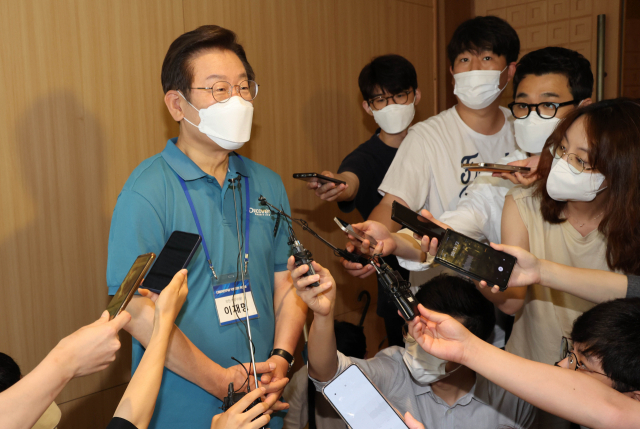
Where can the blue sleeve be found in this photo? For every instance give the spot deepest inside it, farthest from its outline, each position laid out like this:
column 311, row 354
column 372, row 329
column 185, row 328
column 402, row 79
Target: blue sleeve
column 136, row 228
column 281, row 248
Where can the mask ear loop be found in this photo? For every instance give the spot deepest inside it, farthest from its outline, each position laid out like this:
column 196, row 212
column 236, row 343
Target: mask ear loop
column 197, row 110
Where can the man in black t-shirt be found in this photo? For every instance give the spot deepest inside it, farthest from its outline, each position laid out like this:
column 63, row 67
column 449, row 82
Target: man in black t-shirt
column 389, row 87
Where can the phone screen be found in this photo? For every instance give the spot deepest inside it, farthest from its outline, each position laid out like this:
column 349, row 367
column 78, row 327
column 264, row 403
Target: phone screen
column 130, row 284
column 359, row 402
column 416, row 223
column 480, row 261
column 176, row 255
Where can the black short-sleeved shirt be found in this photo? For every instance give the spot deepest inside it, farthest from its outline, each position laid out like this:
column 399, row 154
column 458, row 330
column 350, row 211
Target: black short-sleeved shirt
column 118, row 423
column 370, row 162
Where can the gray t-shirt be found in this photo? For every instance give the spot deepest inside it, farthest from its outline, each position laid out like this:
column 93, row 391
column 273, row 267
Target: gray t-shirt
column 633, row 286
column 486, row 406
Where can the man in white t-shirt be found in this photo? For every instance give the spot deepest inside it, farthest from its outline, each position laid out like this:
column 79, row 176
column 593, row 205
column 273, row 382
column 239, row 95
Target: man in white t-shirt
column 426, row 172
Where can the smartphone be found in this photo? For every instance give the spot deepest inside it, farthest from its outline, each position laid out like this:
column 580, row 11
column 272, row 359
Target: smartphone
column 495, row 168
column 416, row 223
column 130, row 284
column 355, row 232
column 175, row 255
column 307, row 177
column 359, row 402
column 474, row 259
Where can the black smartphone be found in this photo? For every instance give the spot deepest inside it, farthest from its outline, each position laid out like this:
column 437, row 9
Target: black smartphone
column 309, row 177
column 495, row 168
column 416, row 223
column 359, row 402
column 176, row 255
column 130, row 284
column 474, row 259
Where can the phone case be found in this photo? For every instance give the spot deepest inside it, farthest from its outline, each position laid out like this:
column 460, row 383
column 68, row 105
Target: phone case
column 308, row 176
column 370, row 382
column 441, row 261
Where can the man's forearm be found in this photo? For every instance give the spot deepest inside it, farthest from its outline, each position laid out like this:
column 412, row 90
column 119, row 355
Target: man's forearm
column 323, row 352
column 290, row 312
column 23, row 404
column 593, row 285
column 183, row 357
column 353, row 185
column 138, row 402
column 569, row 394
column 382, row 212
column 408, row 247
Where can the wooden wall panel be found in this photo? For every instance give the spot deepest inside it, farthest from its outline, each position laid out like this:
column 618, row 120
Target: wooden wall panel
column 82, row 89
column 83, row 107
column 568, row 23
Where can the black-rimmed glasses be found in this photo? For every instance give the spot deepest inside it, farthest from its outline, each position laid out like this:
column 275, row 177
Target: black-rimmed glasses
column 380, row 102
column 546, row 110
column 222, row 91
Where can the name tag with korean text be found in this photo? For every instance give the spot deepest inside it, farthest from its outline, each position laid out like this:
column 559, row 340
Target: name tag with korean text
column 229, row 295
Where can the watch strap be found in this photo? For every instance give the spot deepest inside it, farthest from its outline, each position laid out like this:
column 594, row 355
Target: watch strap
column 283, row 354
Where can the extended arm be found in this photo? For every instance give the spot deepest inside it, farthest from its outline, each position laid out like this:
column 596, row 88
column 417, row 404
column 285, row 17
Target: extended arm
column 138, row 402
column 323, row 360
column 332, row 192
column 569, row 394
column 88, row 350
column 592, row 285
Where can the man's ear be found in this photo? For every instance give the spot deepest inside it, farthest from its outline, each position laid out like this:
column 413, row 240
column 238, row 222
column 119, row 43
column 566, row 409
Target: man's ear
column 635, row 395
column 511, row 71
column 585, row 102
column 417, row 97
column 367, row 108
column 173, row 101
column 453, row 81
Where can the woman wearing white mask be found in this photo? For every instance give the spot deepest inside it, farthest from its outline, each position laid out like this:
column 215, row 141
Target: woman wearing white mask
column 583, row 212
column 436, row 392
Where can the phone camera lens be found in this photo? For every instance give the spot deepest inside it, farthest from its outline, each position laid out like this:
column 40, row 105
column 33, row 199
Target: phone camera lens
column 500, row 269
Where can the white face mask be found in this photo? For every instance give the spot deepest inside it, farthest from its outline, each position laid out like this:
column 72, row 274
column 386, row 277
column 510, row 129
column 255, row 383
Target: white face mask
column 476, row 89
column 532, row 133
column 424, row 368
column 394, row 118
column 565, row 185
column 228, row 124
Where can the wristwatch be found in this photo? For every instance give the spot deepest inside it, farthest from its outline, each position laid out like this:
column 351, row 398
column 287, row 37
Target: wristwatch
column 283, row 354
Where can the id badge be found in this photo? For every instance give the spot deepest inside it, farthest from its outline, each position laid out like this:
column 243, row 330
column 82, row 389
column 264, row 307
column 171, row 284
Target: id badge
column 228, row 294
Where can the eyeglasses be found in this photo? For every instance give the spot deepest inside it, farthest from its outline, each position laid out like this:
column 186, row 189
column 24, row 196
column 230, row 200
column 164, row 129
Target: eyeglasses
column 546, row 110
column 222, row 91
column 576, row 164
column 573, row 362
column 380, row 102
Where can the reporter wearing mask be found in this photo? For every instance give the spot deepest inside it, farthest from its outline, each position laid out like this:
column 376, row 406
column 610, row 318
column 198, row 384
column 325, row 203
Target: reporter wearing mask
column 584, row 212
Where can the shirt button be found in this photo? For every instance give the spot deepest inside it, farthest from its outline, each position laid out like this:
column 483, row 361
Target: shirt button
column 210, row 180
column 448, row 412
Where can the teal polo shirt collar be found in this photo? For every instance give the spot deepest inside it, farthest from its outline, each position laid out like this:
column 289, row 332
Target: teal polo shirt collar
column 188, row 170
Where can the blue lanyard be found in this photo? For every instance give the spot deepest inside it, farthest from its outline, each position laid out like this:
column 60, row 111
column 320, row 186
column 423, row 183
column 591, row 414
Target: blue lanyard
column 246, row 226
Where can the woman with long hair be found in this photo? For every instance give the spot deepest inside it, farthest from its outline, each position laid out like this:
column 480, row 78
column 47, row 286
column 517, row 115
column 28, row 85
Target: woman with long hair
column 584, row 212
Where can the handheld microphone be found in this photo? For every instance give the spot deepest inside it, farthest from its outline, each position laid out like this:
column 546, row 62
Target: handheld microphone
column 301, row 256
column 398, row 289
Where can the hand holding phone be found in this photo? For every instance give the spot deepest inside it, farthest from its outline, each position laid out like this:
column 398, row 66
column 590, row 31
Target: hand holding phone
column 175, row 255
column 495, row 168
column 359, row 402
column 130, row 284
column 356, row 233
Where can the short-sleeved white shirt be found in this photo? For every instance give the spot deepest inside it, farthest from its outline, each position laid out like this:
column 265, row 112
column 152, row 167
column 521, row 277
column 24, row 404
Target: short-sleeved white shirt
column 427, row 173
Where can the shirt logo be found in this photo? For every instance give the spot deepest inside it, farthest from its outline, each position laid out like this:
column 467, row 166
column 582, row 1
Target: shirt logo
column 260, row 212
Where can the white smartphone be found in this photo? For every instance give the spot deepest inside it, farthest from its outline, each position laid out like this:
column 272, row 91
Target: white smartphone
column 346, row 227
column 359, row 402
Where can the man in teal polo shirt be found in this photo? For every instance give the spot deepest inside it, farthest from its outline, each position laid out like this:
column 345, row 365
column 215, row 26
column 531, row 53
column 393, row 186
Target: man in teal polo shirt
column 198, row 184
